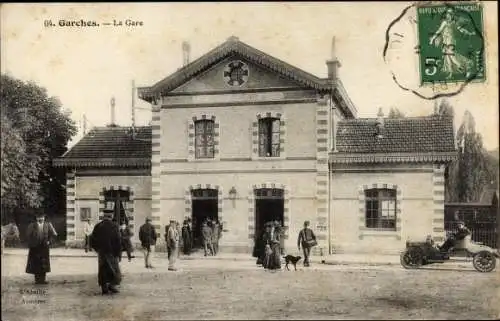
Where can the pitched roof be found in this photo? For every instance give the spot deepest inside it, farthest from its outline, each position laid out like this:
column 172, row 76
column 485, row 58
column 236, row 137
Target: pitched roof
column 110, row 147
column 232, row 46
column 429, row 138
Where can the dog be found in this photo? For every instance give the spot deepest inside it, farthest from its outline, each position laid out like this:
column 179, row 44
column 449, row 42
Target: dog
column 292, row 259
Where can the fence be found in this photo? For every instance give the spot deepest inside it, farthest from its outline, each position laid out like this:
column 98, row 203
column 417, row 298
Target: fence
column 486, row 235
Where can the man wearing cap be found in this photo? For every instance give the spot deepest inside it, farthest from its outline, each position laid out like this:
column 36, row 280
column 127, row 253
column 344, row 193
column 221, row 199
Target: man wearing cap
column 307, row 239
column 172, row 244
column 40, row 234
column 147, row 236
column 106, row 241
column 461, row 232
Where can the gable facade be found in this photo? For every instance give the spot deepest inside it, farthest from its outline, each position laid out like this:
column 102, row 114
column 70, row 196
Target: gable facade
column 247, row 137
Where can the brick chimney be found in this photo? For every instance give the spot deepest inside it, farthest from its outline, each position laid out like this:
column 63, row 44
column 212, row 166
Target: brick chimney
column 332, row 65
column 112, row 120
column 380, row 123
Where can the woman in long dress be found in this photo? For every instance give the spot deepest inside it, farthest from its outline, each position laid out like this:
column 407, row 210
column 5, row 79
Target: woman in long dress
column 272, row 259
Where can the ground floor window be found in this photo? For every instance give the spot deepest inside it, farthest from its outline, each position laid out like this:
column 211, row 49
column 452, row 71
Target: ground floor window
column 380, row 208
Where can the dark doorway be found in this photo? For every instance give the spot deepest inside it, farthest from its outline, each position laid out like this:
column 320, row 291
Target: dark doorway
column 204, row 206
column 117, row 200
column 269, row 207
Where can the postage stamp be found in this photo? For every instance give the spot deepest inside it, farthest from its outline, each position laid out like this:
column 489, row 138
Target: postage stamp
column 451, row 42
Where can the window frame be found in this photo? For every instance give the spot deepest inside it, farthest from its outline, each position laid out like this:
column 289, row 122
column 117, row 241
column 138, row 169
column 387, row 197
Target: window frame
column 381, row 210
column 201, row 140
column 269, row 137
column 87, row 209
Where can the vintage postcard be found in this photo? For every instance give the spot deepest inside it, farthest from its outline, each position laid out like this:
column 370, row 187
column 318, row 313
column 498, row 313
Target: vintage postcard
column 256, row 160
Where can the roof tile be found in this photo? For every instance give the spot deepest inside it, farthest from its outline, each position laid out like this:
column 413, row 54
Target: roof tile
column 399, row 135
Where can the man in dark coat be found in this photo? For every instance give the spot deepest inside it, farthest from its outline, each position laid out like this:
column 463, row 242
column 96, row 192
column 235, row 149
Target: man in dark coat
column 106, row 241
column 147, row 236
column 40, row 234
column 186, row 238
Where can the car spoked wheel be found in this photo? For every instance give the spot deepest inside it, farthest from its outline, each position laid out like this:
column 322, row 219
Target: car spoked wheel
column 484, row 261
column 411, row 258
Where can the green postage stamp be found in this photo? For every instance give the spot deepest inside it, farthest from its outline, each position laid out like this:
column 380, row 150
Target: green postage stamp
column 451, row 43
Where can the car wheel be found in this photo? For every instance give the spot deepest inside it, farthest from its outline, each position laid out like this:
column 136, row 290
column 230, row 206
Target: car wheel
column 484, row 261
column 411, row 258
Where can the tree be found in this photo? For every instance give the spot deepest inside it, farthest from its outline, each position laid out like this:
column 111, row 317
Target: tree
column 395, row 113
column 35, row 130
column 445, row 109
column 470, row 173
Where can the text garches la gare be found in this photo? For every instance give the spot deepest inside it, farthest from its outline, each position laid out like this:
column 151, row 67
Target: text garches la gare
column 93, row 23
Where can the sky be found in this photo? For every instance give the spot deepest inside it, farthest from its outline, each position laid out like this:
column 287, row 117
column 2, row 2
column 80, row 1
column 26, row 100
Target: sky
column 86, row 66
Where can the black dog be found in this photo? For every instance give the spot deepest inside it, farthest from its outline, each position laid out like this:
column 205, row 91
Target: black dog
column 291, row 259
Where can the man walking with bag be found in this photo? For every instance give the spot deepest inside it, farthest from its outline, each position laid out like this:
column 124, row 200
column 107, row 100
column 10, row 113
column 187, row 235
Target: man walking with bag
column 308, row 240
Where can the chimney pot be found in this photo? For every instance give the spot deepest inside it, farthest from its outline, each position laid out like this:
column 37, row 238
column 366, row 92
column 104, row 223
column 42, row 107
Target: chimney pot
column 186, row 50
column 333, row 64
column 380, row 123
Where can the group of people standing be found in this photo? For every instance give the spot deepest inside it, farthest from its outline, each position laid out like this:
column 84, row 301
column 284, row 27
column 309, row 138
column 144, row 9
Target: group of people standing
column 211, row 232
column 269, row 244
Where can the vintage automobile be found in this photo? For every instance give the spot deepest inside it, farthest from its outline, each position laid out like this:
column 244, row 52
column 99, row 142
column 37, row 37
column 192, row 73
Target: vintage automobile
column 422, row 253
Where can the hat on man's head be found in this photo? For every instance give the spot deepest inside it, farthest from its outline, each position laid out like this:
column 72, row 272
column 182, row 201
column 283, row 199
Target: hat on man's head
column 108, row 214
column 149, row 219
column 307, row 223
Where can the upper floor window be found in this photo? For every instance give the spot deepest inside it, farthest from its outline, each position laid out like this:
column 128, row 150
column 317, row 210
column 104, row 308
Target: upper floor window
column 380, row 208
column 269, row 137
column 204, row 138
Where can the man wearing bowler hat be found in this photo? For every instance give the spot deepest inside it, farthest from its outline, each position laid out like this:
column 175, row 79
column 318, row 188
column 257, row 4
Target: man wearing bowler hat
column 106, row 241
column 40, row 234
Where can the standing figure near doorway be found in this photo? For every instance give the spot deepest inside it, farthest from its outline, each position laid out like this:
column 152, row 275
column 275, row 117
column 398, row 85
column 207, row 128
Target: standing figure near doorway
column 186, row 238
column 259, row 246
column 280, row 230
column 172, row 244
column 215, row 236
column 126, row 235
column 206, row 234
column 308, row 240
column 272, row 260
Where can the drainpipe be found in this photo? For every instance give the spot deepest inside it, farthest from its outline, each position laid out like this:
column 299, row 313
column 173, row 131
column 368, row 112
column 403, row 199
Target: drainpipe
column 330, row 176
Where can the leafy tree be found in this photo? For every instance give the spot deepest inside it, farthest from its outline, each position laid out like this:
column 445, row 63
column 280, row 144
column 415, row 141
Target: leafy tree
column 35, row 130
column 395, row 113
column 470, row 173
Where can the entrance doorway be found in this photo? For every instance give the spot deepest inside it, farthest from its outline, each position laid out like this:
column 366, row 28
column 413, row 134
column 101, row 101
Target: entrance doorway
column 204, row 206
column 269, row 207
column 117, row 200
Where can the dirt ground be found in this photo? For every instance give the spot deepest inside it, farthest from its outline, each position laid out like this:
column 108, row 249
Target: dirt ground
column 238, row 291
